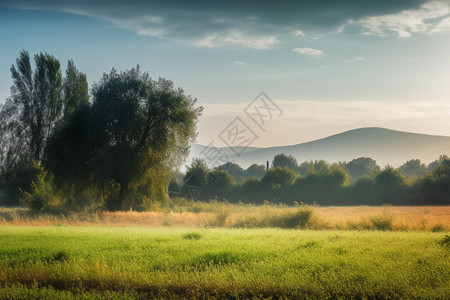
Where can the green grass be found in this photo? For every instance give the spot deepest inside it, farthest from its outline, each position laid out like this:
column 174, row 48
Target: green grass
column 66, row 262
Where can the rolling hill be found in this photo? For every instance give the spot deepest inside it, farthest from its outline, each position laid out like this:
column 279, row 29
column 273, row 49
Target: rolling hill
column 384, row 145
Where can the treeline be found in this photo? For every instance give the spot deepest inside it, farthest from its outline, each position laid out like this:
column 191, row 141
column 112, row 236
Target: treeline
column 358, row 182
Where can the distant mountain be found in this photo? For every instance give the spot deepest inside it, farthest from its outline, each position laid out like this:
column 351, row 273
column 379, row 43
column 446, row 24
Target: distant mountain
column 384, row 145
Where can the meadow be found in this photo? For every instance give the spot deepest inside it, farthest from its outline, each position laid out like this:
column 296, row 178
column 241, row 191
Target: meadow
column 221, row 214
column 218, row 250
column 68, row 262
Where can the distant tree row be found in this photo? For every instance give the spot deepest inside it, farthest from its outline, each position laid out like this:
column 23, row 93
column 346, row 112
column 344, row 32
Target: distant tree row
column 356, row 168
column 322, row 183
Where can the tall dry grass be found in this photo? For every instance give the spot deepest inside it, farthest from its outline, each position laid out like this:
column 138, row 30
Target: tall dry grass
column 217, row 214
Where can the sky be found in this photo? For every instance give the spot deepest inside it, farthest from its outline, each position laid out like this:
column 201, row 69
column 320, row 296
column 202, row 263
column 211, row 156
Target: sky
column 327, row 66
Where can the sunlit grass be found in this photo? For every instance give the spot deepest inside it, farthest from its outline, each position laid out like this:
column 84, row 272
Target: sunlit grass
column 219, row 214
column 137, row 262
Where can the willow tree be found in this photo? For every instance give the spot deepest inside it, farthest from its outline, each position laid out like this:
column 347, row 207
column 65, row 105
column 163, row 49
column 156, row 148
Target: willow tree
column 134, row 126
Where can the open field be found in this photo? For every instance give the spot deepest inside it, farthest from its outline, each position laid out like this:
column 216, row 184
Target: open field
column 216, row 214
column 136, row 262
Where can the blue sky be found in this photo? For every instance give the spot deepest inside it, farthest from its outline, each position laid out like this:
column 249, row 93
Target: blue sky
column 329, row 65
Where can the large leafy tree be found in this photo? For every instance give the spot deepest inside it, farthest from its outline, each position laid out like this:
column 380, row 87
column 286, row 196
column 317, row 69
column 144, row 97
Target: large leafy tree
column 134, row 125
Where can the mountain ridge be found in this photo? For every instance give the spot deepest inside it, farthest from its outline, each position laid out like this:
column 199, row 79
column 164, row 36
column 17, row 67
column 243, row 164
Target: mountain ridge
column 386, row 146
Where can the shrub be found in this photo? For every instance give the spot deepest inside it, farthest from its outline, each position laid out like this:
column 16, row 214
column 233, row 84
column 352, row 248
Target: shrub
column 192, row 236
column 382, row 221
column 60, row 256
column 297, row 219
column 445, row 242
column 437, row 228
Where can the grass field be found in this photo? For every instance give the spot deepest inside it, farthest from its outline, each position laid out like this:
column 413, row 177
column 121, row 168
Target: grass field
column 217, row 214
column 66, row 262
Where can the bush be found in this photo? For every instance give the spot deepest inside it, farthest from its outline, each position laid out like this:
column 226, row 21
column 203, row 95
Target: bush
column 437, row 228
column 382, row 221
column 445, row 242
column 297, row 219
column 192, row 236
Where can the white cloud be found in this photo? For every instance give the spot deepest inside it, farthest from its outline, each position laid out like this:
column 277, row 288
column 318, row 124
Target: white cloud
column 237, row 62
column 308, row 51
column 238, row 38
column 299, row 33
column 356, row 59
column 431, row 17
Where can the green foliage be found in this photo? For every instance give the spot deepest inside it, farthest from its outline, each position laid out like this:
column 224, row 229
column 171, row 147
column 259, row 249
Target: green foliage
column 445, row 242
column 196, row 177
column 434, row 188
column 437, row 228
column 256, row 171
column 192, row 236
column 75, row 88
column 313, row 167
column 42, row 196
column 360, row 167
column 234, row 170
column 135, row 126
column 390, row 186
column 33, row 108
column 413, row 168
column 279, row 177
column 18, row 180
column 297, row 219
column 217, row 259
column 435, row 164
column 285, row 161
column 219, row 184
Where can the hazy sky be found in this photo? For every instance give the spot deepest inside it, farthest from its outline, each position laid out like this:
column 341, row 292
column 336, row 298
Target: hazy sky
column 329, row 65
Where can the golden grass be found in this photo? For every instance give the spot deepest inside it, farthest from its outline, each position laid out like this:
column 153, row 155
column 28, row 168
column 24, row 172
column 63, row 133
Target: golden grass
column 403, row 217
column 416, row 218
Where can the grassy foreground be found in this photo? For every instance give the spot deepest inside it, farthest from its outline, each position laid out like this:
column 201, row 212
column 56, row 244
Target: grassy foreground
column 67, row 262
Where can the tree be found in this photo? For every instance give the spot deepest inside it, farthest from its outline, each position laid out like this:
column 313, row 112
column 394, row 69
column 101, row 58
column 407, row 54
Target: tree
column 281, row 177
column 285, row 161
column 219, row 184
column 390, row 186
column 36, row 103
column 195, row 178
column 32, row 109
column 434, row 188
column 359, row 167
column 435, row 164
column 75, row 89
column 234, row 170
column 313, row 167
column 256, row 171
column 134, row 125
column 413, row 167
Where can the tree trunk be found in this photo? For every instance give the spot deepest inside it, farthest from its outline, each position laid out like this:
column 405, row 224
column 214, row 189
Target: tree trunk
column 122, row 196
